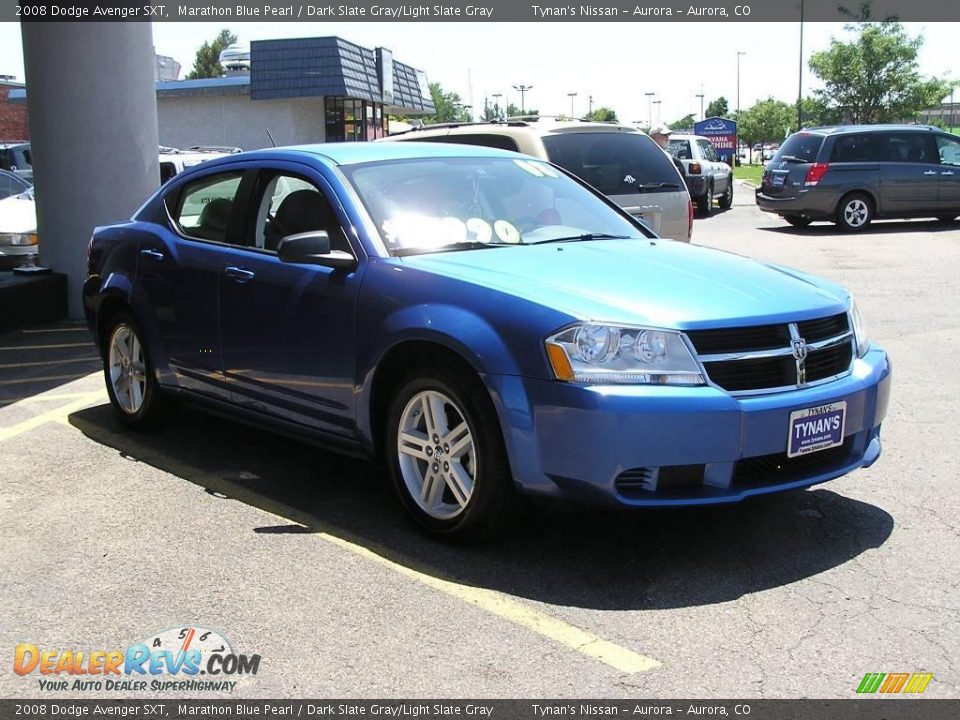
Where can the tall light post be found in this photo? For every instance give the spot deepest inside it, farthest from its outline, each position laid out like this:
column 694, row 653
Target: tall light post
column 523, row 89
column 700, row 95
column 739, row 53
column 800, row 75
column 571, row 96
column 658, row 103
column 649, row 108
column 496, row 102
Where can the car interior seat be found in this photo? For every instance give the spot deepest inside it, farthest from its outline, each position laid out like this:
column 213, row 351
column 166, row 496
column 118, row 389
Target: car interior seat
column 305, row 211
column 212, row 224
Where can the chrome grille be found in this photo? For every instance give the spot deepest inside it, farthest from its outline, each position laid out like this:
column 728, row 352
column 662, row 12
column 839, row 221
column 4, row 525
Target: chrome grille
column 762, row 358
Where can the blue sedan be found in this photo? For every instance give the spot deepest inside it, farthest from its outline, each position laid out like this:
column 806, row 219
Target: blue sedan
column 486, row 326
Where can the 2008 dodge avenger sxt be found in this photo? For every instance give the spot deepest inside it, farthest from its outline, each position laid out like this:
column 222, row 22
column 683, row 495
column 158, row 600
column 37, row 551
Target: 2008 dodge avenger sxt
column 484, row 324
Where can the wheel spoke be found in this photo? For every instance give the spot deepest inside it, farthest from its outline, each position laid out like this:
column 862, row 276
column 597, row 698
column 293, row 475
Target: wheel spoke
column 136, row 394
column 432, row 491
column 414, row 443
column 460, row 483
column 458, row 441
column 438, row 416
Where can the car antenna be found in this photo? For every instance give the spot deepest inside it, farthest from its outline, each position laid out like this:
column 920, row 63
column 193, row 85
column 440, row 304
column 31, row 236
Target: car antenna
column 272, row 141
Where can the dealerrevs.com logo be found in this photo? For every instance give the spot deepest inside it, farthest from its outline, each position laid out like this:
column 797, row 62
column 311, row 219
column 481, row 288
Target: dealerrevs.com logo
column 180, row 659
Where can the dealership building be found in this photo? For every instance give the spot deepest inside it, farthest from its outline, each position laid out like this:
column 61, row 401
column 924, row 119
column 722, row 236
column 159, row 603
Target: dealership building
column 304, row 90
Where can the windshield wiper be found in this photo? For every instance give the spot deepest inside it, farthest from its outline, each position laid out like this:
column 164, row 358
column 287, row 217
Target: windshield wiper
column 582, row 238
column 450, row 247
column 792, row 158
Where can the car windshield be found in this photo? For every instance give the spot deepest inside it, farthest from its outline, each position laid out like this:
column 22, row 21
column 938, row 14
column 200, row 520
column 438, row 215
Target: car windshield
column 615, row 163
column 446, row 204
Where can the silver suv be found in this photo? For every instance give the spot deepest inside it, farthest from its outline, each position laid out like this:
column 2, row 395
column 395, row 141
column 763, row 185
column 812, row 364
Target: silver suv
column 706, row 175
column 621, row 162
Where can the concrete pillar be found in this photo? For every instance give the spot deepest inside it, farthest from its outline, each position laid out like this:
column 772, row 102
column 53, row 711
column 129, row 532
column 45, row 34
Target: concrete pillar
column 93, row 132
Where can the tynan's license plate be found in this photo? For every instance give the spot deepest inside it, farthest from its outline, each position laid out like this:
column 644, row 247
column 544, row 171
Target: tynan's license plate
column 816, row 428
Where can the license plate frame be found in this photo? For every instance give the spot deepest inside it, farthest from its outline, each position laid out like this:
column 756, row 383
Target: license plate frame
column 817, row 428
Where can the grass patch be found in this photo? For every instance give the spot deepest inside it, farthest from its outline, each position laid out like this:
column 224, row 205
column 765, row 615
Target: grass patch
column 749, row 173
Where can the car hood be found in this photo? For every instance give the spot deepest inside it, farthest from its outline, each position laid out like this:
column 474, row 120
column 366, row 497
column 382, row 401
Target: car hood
column 652, row 282
column 18, row 215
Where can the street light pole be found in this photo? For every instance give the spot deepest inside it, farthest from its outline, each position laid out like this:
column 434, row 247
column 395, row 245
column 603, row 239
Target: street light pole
column 522, row 89
column 739, row 53
column 571, row 96
column 700, row 95
column 496, row 102
column 800, row 76
column 649, row 108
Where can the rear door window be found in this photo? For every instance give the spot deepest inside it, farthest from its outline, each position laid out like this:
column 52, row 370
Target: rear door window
column 680, row 149
column 862, row 147
column 802, row 147
column 616, row 163
column 707, row 149
column 206, row 206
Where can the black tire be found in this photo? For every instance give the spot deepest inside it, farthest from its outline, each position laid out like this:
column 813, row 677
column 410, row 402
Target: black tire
column 797, row 221
column 494, row 505
column 855, row 212
column 946, row 218
column 705, row 201
column 155, row 405
column 726, row 200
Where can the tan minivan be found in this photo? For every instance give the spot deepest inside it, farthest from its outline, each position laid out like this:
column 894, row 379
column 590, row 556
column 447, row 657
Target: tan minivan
column 621, row 162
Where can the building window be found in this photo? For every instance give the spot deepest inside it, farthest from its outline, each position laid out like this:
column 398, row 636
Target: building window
column 351, row 120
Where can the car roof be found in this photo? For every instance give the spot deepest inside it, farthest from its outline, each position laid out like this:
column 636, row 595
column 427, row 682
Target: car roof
column 539, row 125
column 351, row 153
column 837, row 129
column 687, row 136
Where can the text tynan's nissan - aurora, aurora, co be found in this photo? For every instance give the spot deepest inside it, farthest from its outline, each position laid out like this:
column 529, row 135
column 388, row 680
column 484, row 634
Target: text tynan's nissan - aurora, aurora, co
column 484, row 324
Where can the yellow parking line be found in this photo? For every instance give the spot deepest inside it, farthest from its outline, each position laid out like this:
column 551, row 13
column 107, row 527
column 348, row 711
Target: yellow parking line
column 46, row 347
column 43, row 378
column 81, row 328
column 38, row 363
column 45, row 397
column 503, row 606
column 491, row 601
column 51, row 415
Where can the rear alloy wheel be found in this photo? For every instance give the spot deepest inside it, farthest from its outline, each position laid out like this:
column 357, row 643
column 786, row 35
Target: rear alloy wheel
column 797, row 221
column 134, row 394
column 447, row 457
column 705, row 201
column 855, row 212
column 726, row 200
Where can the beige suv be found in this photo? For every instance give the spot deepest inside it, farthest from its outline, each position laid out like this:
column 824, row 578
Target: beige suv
column 619, row 161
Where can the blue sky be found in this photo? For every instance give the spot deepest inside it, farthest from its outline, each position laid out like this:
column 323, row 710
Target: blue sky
column 616, row 63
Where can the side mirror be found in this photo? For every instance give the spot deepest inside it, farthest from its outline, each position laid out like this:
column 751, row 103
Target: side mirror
column 313, row 248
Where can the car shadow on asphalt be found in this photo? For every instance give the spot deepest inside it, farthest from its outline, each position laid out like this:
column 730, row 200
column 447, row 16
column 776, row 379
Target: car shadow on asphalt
column 587, row 558
column 879, row 227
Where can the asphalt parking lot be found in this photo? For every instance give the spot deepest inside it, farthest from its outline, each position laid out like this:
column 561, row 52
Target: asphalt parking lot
column 306, row 558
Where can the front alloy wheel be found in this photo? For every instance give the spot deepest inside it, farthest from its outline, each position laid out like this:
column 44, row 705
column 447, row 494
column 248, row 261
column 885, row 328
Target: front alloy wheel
column 438, row 460
column 447, row 456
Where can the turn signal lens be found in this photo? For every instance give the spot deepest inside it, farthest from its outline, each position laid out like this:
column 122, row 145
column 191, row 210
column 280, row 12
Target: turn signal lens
column 560, row 362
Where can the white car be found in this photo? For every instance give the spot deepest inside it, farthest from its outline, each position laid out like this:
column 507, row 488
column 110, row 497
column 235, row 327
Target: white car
column 18, row 219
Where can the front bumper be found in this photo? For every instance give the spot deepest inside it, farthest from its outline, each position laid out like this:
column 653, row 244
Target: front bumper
column 650, row 446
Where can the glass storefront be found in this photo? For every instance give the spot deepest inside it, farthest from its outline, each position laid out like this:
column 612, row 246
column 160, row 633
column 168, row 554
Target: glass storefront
column 349, row 120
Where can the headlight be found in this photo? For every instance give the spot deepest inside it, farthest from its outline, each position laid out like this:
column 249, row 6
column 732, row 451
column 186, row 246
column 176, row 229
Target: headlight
column 18, row 238
column 859, row 329
column 607, row 354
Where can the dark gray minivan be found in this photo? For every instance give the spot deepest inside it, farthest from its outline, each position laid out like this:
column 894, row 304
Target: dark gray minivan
column 851, row 174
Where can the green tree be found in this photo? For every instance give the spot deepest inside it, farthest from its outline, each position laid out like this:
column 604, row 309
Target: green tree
column 602, row 114
column 207, row 62
column 684, row 123
column 767, row 121
column 816, row 113
column 875, row 77
column 717, row 108
column 514, row 111
column 448, row 106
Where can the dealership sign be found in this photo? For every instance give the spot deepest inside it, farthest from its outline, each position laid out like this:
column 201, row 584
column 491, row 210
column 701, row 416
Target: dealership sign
column 721, row 133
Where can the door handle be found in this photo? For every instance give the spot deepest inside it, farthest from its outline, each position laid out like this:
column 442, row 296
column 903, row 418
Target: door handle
column 152, row 254
column 930, row 172
column 947, row 172
column 238, row 274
